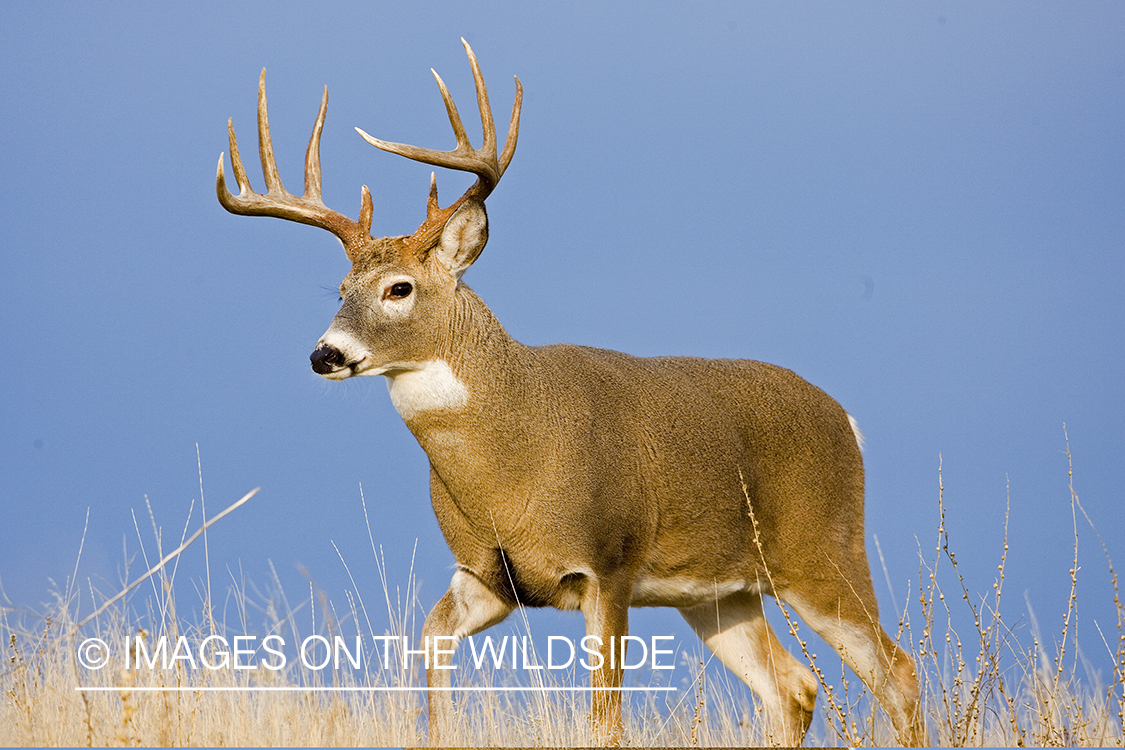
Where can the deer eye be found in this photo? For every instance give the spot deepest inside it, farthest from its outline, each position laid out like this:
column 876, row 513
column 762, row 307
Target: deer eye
column 400, row 290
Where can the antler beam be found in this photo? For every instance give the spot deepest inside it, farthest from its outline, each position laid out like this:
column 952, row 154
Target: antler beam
column 482, row 162
column 277, row 201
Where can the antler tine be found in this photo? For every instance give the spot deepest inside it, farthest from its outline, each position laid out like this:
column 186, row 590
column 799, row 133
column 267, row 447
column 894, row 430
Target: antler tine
column 312, row 153
column 513, row 130
column 236, row 164
column 483, row 161
column 277, row 201
column 463, row 144
column 432, row 207
column 366, row 211
column 265, row 143
column 487, row 125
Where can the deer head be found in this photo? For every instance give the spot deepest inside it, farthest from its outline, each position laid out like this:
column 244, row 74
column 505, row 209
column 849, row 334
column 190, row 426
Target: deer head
column 400, row 290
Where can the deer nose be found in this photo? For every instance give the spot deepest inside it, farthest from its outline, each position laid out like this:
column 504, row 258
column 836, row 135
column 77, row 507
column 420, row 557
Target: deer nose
column 325, row 359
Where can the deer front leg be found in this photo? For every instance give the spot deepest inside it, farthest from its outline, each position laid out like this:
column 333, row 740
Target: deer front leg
column 468, row 607
column 606, row 608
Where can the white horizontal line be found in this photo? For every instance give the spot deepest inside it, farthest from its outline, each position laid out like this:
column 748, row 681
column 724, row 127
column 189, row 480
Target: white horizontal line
column 265, row 689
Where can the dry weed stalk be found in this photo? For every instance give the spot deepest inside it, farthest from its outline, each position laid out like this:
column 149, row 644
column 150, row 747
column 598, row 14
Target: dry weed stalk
column 697, row 711
column 1046, row 704
column 964, row 696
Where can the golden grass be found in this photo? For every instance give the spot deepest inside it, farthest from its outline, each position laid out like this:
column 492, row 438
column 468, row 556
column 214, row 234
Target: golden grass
column 982, row 687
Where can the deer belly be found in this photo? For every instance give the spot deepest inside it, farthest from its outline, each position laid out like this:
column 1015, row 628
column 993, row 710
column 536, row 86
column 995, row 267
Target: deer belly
column 682, row 591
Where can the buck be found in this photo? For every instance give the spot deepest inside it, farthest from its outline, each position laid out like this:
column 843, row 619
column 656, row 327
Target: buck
column 579, row 478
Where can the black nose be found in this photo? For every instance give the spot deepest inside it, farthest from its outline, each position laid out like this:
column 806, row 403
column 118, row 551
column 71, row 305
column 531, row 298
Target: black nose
column 325, row 359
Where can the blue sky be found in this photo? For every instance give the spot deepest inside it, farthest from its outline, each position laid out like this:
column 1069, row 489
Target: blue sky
column 920, row 208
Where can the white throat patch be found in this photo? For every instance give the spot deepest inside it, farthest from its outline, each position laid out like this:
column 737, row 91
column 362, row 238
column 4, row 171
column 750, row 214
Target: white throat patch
column 426, row 387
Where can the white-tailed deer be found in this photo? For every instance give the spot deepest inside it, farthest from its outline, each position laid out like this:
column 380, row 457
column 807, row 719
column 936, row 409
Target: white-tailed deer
column 580, row 478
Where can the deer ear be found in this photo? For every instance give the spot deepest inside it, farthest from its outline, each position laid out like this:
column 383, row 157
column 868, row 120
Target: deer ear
column 463, row 237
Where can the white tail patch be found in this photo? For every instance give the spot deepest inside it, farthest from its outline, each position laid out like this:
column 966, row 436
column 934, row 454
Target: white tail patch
column 859, row 439
column 428, row 386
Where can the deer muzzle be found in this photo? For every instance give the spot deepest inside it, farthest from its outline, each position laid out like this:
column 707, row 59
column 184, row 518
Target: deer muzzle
column 326, row 359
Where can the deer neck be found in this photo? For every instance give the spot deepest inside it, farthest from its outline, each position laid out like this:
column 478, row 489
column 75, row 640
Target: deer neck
column 469, row 373
column 468, row 409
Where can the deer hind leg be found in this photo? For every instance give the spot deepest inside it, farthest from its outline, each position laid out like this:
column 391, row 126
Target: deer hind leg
column 848, row 620
column 734, row 628
column 468, row 607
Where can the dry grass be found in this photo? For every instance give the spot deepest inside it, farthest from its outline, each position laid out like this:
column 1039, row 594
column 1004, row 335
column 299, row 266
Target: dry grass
column 982, row 687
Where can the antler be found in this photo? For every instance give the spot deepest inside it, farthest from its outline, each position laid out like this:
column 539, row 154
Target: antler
column 482, row 162
column 277, row 201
